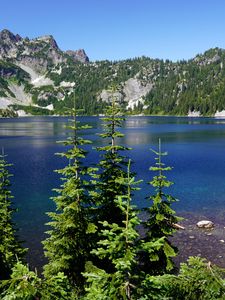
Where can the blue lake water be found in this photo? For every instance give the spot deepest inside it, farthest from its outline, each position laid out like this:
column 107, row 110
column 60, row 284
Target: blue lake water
column 196, row 148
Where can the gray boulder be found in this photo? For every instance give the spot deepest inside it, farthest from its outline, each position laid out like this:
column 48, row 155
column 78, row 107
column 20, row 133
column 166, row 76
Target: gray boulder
column 205, row 224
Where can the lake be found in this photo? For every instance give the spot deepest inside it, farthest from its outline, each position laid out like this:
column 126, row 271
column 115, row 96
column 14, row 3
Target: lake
column 196, row 151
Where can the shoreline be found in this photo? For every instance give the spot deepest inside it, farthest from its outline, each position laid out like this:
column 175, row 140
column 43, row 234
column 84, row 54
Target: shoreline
column 191, row 241
column 202, row 242
column 127, row 116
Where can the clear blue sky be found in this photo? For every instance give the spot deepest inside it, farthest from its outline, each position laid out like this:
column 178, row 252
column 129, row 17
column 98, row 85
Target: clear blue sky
column 118, row 29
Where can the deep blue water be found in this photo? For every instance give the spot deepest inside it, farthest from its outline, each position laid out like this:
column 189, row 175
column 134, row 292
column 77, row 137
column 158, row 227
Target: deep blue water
column 196, row 148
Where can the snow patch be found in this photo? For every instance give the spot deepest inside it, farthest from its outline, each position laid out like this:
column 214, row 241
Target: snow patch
column 194, row 113
column 42, row 80
column 50, row 107
column 220, row 114
column 134, row 103
column 67, row 84
column 22, row 113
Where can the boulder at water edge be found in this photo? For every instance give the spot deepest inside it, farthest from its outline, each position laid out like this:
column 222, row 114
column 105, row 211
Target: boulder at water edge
column 205, row 224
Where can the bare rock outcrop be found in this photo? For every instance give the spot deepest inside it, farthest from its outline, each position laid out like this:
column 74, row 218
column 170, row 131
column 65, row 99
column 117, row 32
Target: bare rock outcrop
column 132, row 92
column 78, row 55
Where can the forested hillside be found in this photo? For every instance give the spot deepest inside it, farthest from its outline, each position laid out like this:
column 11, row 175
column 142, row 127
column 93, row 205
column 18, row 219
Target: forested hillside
column 36, row 77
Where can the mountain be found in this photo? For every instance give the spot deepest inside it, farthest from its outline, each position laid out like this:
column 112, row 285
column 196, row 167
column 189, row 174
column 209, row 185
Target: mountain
column 24, row 67
column 36, row 77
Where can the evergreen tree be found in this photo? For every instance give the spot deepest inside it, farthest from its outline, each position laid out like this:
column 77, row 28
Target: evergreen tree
column 67, row 247
column 10, row 247
column 197, row 280
column 119, row 245
column 23, row 284
column 26, row 285
column 111, row 166
column 161, row 218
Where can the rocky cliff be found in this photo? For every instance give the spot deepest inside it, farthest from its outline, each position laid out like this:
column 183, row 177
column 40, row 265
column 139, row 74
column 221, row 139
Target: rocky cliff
column 40, row 53
column 78, row 55
column 27, row 62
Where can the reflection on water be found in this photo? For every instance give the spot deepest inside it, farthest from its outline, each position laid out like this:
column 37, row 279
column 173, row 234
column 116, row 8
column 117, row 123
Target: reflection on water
column 196, row 149
column 31, row 127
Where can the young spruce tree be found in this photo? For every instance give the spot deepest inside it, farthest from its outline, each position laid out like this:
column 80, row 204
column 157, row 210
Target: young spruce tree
column 119, row 244
column 25, row 284
column 161, row 218
column 67, row 246
column 10, row 247
column 111, row 166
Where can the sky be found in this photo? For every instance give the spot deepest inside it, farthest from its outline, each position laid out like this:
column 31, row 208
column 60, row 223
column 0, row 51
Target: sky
column 120, row 29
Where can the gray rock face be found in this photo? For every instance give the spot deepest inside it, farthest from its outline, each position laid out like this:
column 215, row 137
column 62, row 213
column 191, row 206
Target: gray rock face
column 48, row 39
column 131, row 93
column 107, row 96
column 37, row 64
column 17, row 96
column 208, row 58
column 8, row 37
column 78, row 55
column 39, row 53
column 205, row 224
column 134, row 91
column 20, row 95
column 8, row 42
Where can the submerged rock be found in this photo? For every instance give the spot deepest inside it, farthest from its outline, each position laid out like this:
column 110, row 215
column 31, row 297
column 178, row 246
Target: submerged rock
column 205, row 224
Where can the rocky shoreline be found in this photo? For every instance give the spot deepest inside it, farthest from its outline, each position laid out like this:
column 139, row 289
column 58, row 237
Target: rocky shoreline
column 204, row 242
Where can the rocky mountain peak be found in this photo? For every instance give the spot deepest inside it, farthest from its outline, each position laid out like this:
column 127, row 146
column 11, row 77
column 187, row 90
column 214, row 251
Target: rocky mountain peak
column 48, row 39
column 7, row 37
column 78, row 55
column 37, row 53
